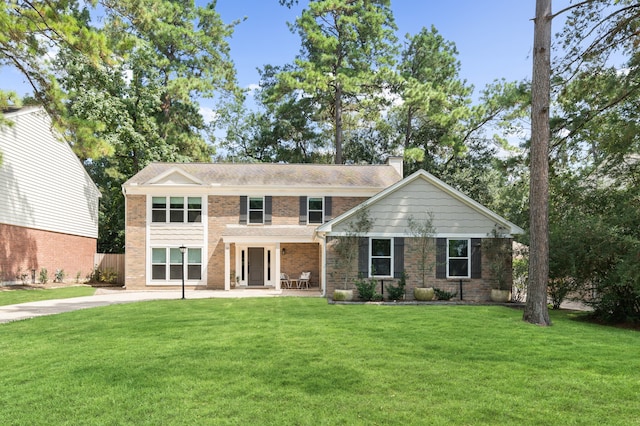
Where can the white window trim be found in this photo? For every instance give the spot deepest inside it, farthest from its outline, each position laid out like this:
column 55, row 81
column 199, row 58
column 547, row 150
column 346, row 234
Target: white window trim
column 309, row 210
column 468, row 240
column 185, row 209
column 249, row 210
column 391, row 257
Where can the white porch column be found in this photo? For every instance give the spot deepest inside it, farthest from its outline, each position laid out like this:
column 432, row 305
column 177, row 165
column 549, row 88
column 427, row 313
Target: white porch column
column 227, row 266
column 278, row 263
column 323, row 265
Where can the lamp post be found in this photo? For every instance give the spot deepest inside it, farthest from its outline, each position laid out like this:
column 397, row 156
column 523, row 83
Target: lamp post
column 183, row 250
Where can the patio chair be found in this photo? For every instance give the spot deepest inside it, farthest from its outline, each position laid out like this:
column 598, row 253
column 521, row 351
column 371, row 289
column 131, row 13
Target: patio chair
column 303, row 281
column 284, row 281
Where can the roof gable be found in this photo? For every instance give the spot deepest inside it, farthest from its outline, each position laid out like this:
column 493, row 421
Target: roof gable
column 175, row 176
column 417, row 196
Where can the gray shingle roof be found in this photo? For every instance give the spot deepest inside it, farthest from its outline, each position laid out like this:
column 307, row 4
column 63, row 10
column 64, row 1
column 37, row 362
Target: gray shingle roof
column 266, row 174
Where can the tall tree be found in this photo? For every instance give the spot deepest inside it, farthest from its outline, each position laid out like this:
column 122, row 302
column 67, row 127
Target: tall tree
column 536, row 310
column 347, row 49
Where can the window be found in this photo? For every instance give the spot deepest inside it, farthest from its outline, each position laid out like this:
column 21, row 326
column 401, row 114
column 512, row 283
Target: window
column 381, row 255
column 194, row 264
column 315, row 210
column 160, row 269
column 256, row 210
column 158, row 264
column 176, row 209
column 458, row 258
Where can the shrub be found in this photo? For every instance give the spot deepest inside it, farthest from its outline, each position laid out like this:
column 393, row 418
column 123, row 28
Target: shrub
column 397, row 292
column 59, row 276
column 444, row 295
column 108, row 276
column 44, row 276
column 366, row 289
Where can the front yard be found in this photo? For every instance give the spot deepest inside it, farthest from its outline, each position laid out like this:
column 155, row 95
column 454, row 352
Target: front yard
column 302, row 361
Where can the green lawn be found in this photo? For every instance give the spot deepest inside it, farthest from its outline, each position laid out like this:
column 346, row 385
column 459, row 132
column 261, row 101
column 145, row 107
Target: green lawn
column 11, row 297
column 301, row 361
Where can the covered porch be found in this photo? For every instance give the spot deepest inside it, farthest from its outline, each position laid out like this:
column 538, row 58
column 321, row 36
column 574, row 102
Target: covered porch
column 256, row 257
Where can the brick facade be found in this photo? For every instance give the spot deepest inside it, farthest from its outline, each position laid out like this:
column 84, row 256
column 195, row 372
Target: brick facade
column 476, row 290
column 24, row 249
column 135, row 240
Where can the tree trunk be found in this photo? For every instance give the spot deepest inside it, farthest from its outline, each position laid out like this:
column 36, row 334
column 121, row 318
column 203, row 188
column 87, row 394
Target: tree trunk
column 536, row 311
column 338, row 124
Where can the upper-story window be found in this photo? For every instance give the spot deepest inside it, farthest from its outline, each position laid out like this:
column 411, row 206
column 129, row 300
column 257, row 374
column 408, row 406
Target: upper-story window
column 176, row 209
column 315, row 210
column 256, row 210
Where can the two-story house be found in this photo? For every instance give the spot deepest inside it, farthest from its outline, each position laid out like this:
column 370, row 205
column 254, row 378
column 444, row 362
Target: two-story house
column 245, row 224
column 48, row 202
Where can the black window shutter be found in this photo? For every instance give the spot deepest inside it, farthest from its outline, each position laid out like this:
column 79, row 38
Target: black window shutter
column 441, row 258
column 327, row 209
column 267, row 210
column 476, row 258
column 398, row 257
column 363, row 257
column 303, row 210
column 243, row 209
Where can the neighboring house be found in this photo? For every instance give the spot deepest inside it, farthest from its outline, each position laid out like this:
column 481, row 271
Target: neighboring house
column 248, row 223
column 48, row 203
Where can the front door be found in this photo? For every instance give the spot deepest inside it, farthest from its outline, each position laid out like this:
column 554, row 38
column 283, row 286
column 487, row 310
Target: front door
column 256, row 266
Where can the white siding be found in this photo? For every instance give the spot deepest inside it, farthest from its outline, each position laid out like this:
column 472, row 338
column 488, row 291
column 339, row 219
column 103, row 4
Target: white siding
column 190, row 235
column 43, row 185
column 450, row 215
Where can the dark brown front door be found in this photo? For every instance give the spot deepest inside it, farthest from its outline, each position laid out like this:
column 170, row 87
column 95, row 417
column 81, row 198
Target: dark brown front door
column 256, row 266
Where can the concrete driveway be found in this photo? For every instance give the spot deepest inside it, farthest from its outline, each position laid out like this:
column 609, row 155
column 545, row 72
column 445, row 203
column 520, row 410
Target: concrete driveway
column 104, row 297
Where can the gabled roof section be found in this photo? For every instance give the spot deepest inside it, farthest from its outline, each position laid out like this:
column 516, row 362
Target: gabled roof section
column 271, row 175
column 440, row 186
column 175, row 176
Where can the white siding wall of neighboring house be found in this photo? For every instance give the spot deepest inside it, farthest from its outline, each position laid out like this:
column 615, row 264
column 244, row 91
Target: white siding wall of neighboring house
column 451, row 216
column 43, row 185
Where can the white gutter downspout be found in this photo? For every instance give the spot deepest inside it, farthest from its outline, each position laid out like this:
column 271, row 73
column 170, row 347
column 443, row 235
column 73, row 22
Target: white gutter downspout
column 323, row 263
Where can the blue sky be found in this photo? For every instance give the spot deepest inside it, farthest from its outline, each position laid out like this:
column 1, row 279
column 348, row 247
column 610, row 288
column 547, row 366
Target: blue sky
column 494, row 38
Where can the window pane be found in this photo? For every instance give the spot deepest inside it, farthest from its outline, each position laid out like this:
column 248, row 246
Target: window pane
column 177, row 216
column 175, row 256
column 158, row 272
column 255, row 203
column 381, row 247
column 315, row 204
column 177, row 202
column 458, row 248
column 159, row 202
column 194, row 256
column 315, row 217
column 255, row 217
column 194, row 272
column 194, row 216
column 381, row 266
column 158, row 255
column 458, row 268
column 159, row 216
column 175, row 272
column 195, row 203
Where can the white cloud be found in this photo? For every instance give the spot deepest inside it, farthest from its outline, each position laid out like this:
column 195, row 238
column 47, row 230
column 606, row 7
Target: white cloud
column 208, row 114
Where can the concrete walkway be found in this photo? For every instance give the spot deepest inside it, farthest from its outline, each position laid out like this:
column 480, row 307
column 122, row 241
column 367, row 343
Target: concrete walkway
column 104, row 297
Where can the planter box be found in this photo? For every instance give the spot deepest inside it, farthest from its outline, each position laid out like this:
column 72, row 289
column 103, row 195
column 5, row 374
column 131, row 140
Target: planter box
column 500, row 296
column 343, row 295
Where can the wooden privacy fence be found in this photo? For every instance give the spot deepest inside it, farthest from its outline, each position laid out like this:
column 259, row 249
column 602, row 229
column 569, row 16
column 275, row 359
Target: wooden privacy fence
column 110, row 262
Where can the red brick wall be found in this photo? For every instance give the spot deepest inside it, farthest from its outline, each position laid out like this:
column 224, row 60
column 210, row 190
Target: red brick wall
column 300, row 258
column 25, row 249
column 222, row 210
column 472, row 289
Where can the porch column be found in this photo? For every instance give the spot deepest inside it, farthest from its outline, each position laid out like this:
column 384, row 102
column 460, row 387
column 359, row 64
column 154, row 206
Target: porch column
column 278, row 263
column 227, row 266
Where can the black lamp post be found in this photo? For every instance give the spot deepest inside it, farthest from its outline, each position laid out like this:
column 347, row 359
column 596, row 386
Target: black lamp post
column 183, row 250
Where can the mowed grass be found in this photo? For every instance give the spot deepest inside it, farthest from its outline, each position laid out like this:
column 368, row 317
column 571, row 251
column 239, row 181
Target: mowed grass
column 12, row 297
column 301, row 361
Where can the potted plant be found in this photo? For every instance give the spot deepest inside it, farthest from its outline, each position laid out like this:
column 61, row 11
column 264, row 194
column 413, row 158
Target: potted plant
column 346, row 250
column 423, row 232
